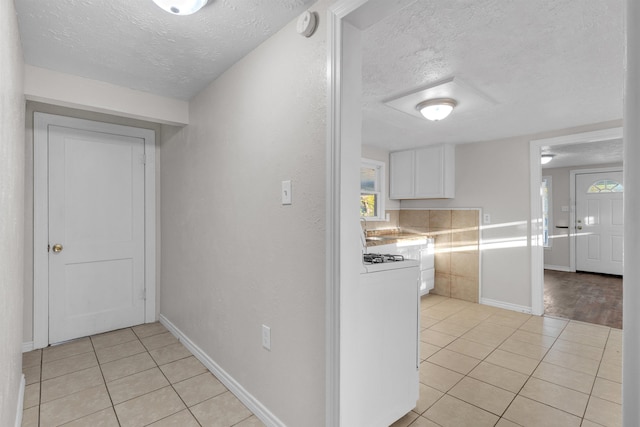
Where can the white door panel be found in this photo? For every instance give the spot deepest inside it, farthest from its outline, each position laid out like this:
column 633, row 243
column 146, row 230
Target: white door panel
column 96, row 212
column 599, row 225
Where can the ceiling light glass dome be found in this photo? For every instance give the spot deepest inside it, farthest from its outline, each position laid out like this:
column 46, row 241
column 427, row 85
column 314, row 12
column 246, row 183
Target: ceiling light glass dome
column 181, row 7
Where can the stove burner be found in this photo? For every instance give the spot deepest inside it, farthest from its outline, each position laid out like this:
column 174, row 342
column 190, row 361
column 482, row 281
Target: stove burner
column 380, row 258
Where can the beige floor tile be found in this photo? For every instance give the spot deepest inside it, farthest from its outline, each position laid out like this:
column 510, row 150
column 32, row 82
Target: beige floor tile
column 32, row 374
column 199, row 388
column 30, row 417
column 482, row 395
column 483, row 337
column 252, row 421
column 148, row 329
column 612, row 356
column 119, row 351
column 470, row 348
column 610, row 372
column 160, row 340
column 180, row 419
column 556, row 396
column 499, row 319
column 604, row 412
column 430, row 300
column 584, row 338
column 428, row 396
column 127, row 366
column 170, row 353
column 71, row 383
column 136, row 385
column 68, row 365
column 544, row 326
column 469, row 320
column 500, row 331
column 427, row 322
column 61, row 351
column 581, row 350
column 183, row 369
column 423, row 422
column 440, row 378
column 515, row 362
column 149, row 408
column 565, row 377
column 436, row 338
column 455, row 361
column 506, row 423
column 450, row 328
column 31, row 358
column 499, row 376
column 607, row 390
column 587, row 423
column 571, row 361
column 533, row 338
column 452, row 412
column 110, row 339
column 31, row 396
column 427, row 350
column 529, row 413
column 221, row 411
column 74, row 406
column 406, row 420
column 104, row 418
column 436, row 313
column 524, row 349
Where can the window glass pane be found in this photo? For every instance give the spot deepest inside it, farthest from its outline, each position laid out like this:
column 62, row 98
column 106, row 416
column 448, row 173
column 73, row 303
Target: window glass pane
column 606, row 186
column 368, row 205
column 368, row 176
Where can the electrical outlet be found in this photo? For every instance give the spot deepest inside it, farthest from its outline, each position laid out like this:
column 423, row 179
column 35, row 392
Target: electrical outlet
column 486, row 218
column 266, row 337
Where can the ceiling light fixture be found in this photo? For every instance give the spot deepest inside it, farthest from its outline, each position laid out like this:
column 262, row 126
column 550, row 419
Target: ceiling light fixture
column 181, row 7
column 436, row 109
column 546, row 158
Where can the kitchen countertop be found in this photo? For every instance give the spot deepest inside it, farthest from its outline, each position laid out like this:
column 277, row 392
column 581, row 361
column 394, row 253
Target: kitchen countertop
column 377, row 238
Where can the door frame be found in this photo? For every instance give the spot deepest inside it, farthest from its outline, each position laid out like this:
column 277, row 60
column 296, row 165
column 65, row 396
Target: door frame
column 41, row 123
column 573, row 203
column 537, row 248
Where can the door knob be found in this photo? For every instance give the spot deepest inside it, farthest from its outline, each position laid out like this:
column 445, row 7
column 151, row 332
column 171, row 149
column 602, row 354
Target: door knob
column 57, row 248
column 579, row 227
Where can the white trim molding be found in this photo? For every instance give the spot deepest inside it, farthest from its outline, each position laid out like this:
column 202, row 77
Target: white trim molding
column 535, row 178
column 19, row 409
column 506, row 305
column 250, row 401
column 27, row 346
column 41, row 123
column 558, row 268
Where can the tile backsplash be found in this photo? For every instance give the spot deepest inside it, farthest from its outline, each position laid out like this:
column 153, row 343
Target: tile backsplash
column 457, row 238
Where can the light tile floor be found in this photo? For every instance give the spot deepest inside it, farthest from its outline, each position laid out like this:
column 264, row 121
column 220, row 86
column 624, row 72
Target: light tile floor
column 131, row 377
column 484, row 366
column 481, row 366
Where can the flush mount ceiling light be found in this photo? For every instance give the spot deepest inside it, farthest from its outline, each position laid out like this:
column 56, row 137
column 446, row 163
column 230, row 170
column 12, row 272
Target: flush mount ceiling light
column 436, row 109
column 181, row 7
column 546, row 158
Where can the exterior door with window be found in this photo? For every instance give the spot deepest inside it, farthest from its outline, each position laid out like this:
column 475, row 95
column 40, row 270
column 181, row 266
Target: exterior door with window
column 599, row 223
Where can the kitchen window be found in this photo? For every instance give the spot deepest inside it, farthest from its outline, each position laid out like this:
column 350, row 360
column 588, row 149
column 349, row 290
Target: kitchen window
column 372, row 190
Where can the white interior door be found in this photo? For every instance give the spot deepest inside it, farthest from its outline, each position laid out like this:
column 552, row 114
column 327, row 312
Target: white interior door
column 599, row 222
column 96, row 216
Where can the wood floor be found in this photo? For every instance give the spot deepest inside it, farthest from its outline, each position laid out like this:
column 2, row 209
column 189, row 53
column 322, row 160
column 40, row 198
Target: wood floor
column 587, row 297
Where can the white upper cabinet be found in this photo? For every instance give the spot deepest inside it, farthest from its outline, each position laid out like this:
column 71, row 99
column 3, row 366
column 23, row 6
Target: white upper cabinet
column 423, row 173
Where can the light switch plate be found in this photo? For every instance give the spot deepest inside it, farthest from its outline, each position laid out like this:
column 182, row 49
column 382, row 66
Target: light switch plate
column 286, row 192
column 266, row 337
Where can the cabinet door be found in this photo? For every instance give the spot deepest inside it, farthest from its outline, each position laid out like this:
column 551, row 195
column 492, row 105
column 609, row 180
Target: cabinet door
column 401, row 174
column 434, row 172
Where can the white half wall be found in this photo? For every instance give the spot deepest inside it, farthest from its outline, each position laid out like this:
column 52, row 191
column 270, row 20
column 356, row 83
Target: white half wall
column 71, row 91
column 11, row 216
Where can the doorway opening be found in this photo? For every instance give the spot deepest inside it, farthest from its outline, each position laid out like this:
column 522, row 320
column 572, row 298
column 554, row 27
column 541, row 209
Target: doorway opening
column 577, row 270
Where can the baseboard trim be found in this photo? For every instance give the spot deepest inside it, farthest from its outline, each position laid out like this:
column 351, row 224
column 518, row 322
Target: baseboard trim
column 558, row 268
column 254, row 405
column 27, row 346
column 505, row 305
column 20, row 401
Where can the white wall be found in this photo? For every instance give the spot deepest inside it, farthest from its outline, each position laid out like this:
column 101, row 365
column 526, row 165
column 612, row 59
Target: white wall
column 233, row 256
column 11, row 213
column 494, row 176
column 27, row 333
column 557, row 256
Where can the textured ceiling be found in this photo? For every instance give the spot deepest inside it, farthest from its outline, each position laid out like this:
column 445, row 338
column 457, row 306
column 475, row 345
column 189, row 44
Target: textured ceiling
column 135, row 44
column 547, row 64
column 588, row 153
